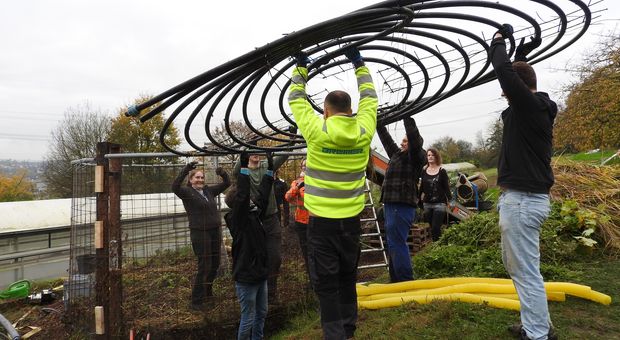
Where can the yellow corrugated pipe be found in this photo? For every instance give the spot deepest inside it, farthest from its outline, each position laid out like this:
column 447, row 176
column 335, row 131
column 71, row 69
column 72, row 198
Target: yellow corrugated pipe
column 494, row 292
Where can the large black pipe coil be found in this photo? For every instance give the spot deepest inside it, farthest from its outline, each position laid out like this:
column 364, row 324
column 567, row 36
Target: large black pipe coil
column 420, row 53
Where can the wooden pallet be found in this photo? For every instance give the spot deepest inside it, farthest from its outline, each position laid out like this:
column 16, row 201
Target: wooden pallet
column 419, row 237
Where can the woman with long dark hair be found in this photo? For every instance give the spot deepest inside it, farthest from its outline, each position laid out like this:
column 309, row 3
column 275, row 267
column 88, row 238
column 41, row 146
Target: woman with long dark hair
column 434, row 192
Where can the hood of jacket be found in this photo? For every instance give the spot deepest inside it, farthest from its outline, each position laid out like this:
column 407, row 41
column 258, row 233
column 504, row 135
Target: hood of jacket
column 343, row 131
column 551, row 106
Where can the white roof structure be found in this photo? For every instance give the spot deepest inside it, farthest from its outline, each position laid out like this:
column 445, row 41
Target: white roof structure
column 25, row 215
column 43, row 214
column 458, row 166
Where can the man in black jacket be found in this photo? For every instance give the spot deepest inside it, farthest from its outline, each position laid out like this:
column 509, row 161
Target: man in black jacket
column 399, row 195
column 249, row 248
column 204, row 226
column 257, row 169
column 525, row 176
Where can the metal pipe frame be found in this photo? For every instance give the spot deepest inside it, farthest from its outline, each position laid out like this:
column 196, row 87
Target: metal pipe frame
column 397, row 30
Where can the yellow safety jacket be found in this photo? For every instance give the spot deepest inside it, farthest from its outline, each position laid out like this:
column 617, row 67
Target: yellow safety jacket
column 338, row 148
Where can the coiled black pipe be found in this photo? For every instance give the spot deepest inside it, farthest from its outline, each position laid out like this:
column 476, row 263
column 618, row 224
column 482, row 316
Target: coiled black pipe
column 390, row 27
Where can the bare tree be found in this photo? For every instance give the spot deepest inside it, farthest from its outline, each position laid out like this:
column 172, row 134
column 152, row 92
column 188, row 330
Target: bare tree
column 76, row 137
column 239, row 129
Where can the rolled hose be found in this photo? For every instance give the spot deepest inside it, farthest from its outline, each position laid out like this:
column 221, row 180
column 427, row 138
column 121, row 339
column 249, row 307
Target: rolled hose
column 423, row 299
column 9, row 328
column 424, row 284
column 493, row 292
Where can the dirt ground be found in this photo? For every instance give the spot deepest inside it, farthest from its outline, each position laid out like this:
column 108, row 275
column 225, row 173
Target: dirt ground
column 156, row 302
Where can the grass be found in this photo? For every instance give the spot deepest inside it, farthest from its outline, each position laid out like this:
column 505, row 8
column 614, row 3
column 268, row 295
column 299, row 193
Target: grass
column 573, row 319
column 595, row 157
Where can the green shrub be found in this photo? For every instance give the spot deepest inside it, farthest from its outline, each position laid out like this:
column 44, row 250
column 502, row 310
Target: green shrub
column 473, row 247
column 479, row 230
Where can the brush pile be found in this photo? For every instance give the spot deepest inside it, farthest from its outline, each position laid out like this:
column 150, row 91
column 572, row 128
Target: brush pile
column 596, row 188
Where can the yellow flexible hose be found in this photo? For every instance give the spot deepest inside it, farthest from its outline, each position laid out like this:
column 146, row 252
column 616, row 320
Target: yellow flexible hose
column 494, row 292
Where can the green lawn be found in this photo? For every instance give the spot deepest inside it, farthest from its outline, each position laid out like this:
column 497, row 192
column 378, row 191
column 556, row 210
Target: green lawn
column 573, row 319
column 594, row 158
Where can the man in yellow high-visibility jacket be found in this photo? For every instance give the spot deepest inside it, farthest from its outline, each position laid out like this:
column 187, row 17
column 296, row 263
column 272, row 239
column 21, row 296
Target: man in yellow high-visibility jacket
column 338, row 149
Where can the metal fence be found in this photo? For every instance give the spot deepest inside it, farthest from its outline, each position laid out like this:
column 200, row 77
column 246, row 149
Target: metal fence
column 131, row 260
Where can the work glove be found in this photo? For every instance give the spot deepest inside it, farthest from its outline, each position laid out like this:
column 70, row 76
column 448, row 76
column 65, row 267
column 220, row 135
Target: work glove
column 302, row 59
column 506, row 31
column 354, row 56
column 244, row 159
column 269, row 160
column 524, row 49
column 410, row 121
column 192, row 165
column 219, row 171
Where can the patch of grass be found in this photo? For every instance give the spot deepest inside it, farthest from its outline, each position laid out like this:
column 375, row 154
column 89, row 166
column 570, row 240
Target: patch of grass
column 595, row 157
column 305, row 325
column 573, row 319
column 582, row 319
column 492, row 194
column 492, row 172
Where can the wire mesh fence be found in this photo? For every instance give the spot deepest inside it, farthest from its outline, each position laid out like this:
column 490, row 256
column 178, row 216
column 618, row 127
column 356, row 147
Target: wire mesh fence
column 79, row 290
column 152, row 265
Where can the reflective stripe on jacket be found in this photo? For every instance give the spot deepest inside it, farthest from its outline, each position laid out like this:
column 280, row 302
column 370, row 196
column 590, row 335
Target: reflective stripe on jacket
column 338, row 148
column 295, row 196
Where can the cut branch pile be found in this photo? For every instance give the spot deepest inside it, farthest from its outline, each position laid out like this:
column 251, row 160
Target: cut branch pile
column 596, row 188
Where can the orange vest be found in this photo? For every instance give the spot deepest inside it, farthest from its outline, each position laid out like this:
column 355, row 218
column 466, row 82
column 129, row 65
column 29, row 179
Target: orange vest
column 295, row 196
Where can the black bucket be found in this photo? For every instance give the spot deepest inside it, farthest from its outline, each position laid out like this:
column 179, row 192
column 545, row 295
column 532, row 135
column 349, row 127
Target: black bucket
column 86, row 263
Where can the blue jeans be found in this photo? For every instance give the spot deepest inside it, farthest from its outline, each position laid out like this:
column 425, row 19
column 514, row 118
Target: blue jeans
column 398, row 220
column 253, row 301
column 521, row 215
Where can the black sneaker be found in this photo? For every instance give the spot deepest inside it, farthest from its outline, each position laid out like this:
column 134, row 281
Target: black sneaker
column 517, row 331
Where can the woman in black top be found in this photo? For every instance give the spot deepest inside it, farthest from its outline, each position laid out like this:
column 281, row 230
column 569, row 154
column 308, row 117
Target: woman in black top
column 434, row 192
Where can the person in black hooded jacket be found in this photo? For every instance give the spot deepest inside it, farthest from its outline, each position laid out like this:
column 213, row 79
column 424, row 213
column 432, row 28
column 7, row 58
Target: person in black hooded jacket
column 249, row 248
column 525, row 177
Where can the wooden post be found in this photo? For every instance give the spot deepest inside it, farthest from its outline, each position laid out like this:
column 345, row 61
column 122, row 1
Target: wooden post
column 98, row 234
column 115, row 317
column 102, row 287
column 99, row 180
column 99, row 321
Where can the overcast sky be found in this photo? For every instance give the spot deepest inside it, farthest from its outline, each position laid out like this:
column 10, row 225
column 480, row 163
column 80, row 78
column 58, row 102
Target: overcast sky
column 60, row 54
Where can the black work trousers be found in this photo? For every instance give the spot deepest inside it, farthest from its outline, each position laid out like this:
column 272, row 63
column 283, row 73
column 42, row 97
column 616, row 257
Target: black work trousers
column 206, row 246
column 333, row 255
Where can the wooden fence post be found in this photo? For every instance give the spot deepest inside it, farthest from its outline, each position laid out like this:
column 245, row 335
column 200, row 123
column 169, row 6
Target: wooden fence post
column 101, row 284
column 115, row 245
